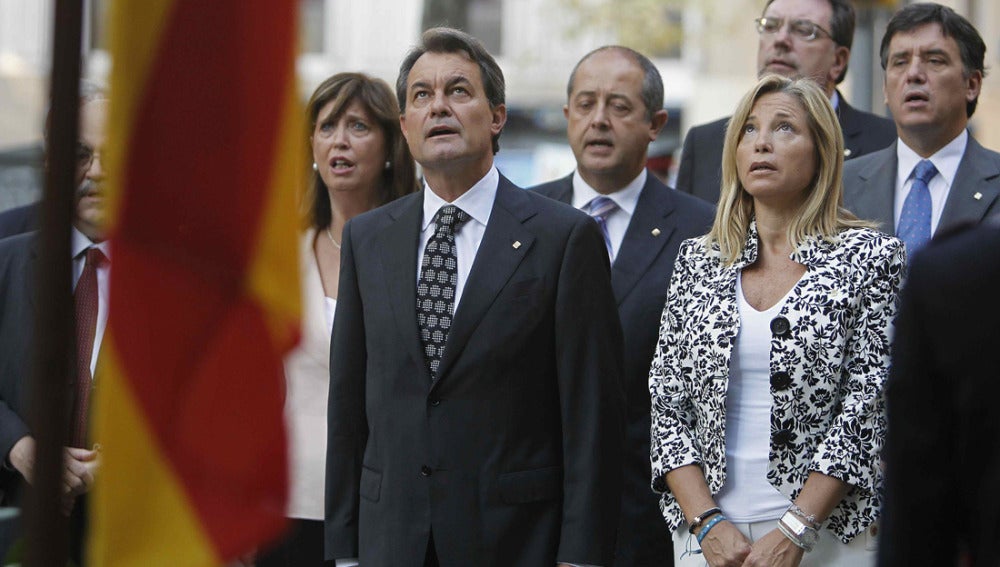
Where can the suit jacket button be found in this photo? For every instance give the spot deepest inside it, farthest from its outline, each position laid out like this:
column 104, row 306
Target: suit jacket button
column 435, row 402
column 780, row 326
column 780, row 380
column 426, row 471
column 783, row 436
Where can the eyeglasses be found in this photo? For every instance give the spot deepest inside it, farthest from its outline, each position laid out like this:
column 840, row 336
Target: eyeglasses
column 85, row 156
column 802, row 29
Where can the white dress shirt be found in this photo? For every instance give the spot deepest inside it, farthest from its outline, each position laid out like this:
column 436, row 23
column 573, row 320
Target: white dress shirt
column 946, row 161
column 617, row 221
column 79, row 245
column 478, row 203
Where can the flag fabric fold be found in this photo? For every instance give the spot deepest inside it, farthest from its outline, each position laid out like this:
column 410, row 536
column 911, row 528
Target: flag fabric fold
column 203, row 163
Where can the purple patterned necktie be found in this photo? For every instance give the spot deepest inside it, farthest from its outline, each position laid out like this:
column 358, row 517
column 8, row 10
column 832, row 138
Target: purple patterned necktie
column 437, row 283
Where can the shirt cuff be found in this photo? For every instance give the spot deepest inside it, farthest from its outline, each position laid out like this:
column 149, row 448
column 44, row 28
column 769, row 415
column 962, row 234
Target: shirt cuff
column 349, row 562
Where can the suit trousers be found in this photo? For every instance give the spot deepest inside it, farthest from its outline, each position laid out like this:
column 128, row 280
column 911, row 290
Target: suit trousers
column 829, row 550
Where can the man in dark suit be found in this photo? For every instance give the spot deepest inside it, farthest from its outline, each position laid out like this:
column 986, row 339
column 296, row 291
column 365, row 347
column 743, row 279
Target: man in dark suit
column 614, row 110
column 798, row 38
column 18, row 266
column 942, row 495
column 936, row 176
column 475, row 401
column 19, row 220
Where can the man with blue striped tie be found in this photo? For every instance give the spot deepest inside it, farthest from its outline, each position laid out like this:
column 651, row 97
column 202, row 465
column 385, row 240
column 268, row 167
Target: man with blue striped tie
column 615, row 110
column 936, row 176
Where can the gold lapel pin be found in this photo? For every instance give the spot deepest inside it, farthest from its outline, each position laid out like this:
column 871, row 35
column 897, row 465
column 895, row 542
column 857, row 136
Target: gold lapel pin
column 977, row 196
column 847, row 152
column 656, row 232
column 517, row 244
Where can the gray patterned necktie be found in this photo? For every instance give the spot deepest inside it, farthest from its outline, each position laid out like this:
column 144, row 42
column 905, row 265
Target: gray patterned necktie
column 436, row 287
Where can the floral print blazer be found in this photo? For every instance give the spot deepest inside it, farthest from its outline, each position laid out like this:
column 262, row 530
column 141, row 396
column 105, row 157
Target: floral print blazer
column 829, row 361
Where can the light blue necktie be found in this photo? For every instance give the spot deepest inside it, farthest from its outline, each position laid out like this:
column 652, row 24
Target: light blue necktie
column 915, row 220
column 600, row 209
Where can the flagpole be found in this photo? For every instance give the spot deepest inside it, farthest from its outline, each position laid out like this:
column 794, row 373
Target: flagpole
column 45, row 525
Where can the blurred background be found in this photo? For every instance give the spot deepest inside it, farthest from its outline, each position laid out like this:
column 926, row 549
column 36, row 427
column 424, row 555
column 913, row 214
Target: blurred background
column 705, row 51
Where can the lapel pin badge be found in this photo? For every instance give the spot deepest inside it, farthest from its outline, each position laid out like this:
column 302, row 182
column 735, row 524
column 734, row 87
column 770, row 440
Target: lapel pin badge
column 517, row 244
column 847, row 152
column 656, row 232
column 977, row 196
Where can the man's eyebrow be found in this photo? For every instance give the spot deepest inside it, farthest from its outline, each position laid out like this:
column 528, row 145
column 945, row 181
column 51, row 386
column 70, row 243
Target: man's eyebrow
column 419, row 84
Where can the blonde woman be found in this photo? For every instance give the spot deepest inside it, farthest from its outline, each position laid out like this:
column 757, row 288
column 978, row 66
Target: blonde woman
column 767, row 407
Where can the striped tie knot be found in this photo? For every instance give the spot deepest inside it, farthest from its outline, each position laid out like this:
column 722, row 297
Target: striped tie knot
column 601, row 207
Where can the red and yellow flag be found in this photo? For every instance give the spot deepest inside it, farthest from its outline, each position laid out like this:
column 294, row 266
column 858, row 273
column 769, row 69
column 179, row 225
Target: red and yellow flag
column 203, row 161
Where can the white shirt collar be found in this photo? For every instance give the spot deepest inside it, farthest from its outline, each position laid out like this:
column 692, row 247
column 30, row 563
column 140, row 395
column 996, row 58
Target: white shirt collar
column 626, row 197
column 79, row 244
column 946, row 159
column 477, row 201
column 835, row 99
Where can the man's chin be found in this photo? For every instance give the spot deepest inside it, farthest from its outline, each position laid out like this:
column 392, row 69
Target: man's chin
column 92, row 223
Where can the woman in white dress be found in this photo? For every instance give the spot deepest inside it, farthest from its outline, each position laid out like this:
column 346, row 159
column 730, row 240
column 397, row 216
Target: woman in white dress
column 359, row 161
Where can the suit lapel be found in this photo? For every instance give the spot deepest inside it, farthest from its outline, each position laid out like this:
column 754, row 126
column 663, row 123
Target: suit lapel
column 646, row 235
column 498, row 256
column 398, row 244
column 878, row 189
column 976, row 175
column 564, row 194
column 849, row 125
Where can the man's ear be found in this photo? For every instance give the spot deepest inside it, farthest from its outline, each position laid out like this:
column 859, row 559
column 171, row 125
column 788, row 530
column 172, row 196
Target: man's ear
column 657, row 123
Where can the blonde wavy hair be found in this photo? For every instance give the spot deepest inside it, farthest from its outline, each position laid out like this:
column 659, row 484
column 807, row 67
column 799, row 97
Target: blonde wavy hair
column 821, row 214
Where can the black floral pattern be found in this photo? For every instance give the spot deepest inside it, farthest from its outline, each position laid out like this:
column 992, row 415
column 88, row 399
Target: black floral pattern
column 832, row 418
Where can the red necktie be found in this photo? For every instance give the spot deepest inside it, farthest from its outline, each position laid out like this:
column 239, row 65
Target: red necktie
column 86, row 328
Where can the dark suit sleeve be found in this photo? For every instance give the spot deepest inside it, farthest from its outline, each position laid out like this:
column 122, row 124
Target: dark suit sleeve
column 589, row 366
column 685, row 171
column 347, row 430
column 919, row 454
column 16, row 330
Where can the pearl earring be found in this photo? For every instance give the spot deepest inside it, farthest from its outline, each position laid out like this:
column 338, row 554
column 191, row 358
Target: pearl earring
column 388, row 164
column 315, row 166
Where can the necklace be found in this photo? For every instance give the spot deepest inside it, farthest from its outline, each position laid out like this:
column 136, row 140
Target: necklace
column 330, row 234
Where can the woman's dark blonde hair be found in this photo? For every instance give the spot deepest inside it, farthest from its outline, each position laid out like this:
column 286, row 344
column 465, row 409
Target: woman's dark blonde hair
column 378, row 99
column 821, row 214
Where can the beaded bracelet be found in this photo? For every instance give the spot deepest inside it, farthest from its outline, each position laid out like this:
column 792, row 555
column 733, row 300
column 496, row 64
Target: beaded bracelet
column 810, row 519
column 711, row 524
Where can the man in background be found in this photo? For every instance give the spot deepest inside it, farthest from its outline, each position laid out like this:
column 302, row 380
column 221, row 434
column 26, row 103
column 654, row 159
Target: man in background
column 614, row 110
column 798, row 38
column 936, row 176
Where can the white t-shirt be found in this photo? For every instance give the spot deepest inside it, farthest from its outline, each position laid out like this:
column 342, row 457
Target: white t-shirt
column 747, row 496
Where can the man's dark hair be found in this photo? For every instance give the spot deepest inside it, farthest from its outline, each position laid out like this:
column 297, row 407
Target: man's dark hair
column 841, row 26
column 449, row 40
column 652, row 83
column 970, row 44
